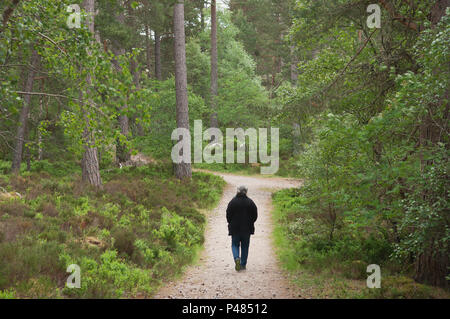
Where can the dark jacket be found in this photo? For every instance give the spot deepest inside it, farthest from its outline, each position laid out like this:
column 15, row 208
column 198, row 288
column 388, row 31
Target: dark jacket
column 241, row 215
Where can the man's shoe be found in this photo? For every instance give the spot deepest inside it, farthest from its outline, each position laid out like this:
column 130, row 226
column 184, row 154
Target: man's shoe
column 237, row 262
column 243, row 267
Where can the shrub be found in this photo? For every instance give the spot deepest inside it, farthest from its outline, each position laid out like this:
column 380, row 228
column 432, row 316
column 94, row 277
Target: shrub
column 124, row 240
column 48, row 209
column 141, row 242
column 7, row 294
column 109, row 277
column 177, row 231
column 22, row 260
column 15, row 207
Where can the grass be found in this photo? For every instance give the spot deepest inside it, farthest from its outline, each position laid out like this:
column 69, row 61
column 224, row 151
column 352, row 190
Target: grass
column 141, row 229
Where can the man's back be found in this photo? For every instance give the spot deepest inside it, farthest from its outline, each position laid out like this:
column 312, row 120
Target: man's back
column 241, row 215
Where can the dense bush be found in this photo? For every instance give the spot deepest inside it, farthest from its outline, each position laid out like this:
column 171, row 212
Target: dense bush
column 372, row 195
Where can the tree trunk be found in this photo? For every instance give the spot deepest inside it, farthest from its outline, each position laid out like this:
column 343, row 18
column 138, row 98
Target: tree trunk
column 296, row 128
column 24, row 113
column 136, row 79
column 8, row 13
column 39, row 133
column 182, row 170
column 296, row 134
column 135, row 72
column 123, row 153
column 294, row 68
column 202, row 15
column 158, row 74
column 28, row 157
column 89, row 163
column 431, row 266
column 148, row 50
column 214, row 61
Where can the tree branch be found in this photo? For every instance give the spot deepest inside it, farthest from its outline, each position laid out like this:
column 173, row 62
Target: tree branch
column 61, row 96
column 396, row 16
column 53, row 42
column 351, row 61
column 7, row 13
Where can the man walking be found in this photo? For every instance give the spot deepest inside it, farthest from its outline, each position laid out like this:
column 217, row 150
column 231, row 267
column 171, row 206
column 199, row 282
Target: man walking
column 241, row 216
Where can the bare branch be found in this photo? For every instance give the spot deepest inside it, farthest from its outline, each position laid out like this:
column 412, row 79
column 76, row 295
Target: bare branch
column 61, row 96
column 53, row 42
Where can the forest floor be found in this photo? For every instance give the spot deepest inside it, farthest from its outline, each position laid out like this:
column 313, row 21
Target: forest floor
column 214, row 276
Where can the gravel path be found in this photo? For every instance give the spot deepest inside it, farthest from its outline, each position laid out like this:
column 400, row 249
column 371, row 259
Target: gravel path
column 214, row 275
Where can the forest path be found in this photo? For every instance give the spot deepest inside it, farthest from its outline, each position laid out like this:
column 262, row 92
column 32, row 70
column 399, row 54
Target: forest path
column 214, row 275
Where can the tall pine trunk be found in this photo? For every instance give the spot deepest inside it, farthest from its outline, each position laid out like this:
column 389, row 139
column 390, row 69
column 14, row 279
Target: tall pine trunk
column 296, row 127
column 214, row 72
column 90, row 170
column 202, row 15
column 182, row 170
column 136, row 80
column 294, row 67
column 158, row 73
column 24, row 113
column 148, row 50
column 39, row 132
column 90, row 163
column 123, row 153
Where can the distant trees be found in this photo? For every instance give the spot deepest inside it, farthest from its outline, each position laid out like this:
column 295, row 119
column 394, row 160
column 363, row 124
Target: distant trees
column 263, row 25
column 91, row 97
column 28, row 74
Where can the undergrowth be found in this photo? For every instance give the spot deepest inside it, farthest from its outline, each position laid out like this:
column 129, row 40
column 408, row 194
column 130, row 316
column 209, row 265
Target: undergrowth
column 140, row 229
column 335, row 267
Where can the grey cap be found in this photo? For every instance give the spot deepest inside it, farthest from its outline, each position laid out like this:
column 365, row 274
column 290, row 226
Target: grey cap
column 242, row 189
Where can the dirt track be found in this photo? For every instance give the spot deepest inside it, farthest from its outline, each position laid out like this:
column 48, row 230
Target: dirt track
column 214, row 276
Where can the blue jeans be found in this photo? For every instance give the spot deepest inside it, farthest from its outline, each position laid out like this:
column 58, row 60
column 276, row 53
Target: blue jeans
column 242, row 241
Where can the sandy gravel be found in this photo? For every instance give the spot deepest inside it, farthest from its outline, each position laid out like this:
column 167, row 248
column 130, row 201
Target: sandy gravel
column 214, row 276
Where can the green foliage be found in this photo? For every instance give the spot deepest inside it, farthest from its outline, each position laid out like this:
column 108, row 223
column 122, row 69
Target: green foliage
column 157, row 142
column 241, row 101
column 142, row 228
column 428, row 214
column 365, row 123
column 7, row 294
column 375, row 164
column 176, row 231
column 22, row 260
column 109, row 277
